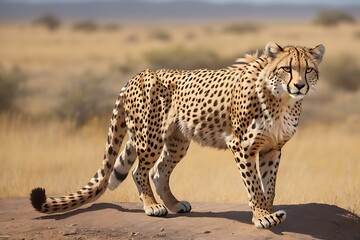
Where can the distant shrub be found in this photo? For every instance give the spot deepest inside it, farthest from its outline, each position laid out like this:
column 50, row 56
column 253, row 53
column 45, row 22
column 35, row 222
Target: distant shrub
column 111, row 27
column 83, row 101
column 48, row 21
column 181, row 58
column 357, row 34
column 86, row 26
column 334, row 17
column 11, row 88
column 343, row 72
column 132, row 38
column 190, row 36
column 160, row 35
column 241, row 28
column 124, row 68
column 209, row 30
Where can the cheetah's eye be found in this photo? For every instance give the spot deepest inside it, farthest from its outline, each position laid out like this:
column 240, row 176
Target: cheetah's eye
column 309, row 69
column 286, row 69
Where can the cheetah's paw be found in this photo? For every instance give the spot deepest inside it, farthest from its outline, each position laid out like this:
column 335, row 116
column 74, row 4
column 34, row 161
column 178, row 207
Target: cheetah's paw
column 270, row 220
column 181, row 207
column 156, row 210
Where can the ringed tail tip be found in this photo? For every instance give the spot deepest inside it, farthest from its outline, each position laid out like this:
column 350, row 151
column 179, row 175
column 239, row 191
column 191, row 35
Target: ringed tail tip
column 38, row 198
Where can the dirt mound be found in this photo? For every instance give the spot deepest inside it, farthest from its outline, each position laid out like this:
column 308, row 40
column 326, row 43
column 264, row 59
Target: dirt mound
column 100, row 220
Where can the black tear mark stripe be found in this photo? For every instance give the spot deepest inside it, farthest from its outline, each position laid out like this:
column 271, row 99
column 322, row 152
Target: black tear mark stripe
column 307, row 83
column 291, row 76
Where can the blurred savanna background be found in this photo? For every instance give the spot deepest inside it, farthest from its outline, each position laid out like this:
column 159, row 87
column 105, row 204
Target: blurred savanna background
column 62, row 64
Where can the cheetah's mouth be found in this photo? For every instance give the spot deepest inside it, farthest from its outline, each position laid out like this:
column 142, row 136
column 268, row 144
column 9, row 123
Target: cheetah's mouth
column 296, row 95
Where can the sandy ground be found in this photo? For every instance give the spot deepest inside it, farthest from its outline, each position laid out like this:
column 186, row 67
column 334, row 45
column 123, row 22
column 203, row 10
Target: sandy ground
column 207, row 221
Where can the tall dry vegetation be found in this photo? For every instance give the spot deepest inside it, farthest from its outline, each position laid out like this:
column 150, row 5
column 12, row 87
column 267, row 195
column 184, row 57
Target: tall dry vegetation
column 11, row 88
column 69, row 80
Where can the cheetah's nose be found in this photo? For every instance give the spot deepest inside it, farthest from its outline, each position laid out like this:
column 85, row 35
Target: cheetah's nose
column 299, row 85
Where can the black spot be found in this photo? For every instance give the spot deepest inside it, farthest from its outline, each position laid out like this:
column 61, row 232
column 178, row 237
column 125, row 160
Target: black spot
column 120, row 176
column 271, row 163
column 98, row 191
column 108, row 165
column 242, row 166
column 128, row 151
column 110, row 150
column 38, row 198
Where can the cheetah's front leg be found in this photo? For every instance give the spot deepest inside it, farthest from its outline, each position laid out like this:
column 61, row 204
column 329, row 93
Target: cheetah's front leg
column 262, row 215
column 268, row 167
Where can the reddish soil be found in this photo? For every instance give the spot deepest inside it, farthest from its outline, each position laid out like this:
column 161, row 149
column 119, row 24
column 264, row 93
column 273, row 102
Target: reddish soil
column 101, row 220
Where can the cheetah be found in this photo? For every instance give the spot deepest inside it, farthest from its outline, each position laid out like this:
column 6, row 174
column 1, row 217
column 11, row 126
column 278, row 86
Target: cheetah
column 251, row 107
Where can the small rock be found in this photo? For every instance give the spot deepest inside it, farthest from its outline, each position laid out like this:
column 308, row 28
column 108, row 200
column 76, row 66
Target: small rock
column 206, row 232
column 133, row 233
column 160, row 235
column 69, row 233
column 162, row 230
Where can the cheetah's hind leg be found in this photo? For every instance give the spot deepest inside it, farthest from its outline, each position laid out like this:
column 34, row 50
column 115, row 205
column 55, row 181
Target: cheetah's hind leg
column 174, row 150
column 122, row 166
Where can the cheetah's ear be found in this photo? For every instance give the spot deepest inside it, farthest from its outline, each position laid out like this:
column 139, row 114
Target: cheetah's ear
column 272, row 49
column 318, row 52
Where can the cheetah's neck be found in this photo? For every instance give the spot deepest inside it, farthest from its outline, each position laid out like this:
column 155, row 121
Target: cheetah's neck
column 280, row 114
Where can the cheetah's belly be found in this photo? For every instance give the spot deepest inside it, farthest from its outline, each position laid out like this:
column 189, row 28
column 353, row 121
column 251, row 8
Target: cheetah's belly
column 207, row 134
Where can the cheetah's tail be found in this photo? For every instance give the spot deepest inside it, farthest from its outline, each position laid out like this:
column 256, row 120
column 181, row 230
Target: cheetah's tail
column 97, row 185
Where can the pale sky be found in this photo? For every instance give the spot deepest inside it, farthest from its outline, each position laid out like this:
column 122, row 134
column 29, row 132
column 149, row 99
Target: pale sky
column 260, row 2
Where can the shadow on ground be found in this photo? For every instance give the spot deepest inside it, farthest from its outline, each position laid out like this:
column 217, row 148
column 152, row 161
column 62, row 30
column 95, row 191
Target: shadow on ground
column 315, row 220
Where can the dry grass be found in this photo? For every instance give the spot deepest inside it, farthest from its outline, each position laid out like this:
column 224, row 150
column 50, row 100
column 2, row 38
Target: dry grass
column 319, row 165
column 54, row 59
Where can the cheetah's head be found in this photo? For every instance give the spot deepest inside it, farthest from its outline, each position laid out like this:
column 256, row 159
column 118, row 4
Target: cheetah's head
column 292, row 70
